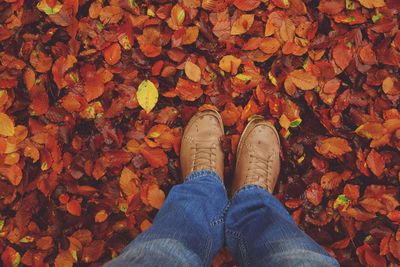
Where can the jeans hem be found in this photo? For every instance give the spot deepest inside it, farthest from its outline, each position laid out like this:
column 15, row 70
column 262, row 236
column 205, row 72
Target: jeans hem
column 250, row 187
column 204, row 173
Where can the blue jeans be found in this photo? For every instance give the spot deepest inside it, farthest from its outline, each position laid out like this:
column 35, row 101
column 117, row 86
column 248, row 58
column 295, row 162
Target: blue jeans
column 197, row 219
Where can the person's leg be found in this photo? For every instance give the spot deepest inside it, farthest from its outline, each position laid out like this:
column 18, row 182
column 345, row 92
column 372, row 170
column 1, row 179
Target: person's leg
column 189, row 228
column 187, row 231
column 258, row 229
column 260, row 232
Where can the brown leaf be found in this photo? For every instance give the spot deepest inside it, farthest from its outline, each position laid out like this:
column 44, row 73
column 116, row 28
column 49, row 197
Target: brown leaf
column 314, row 194
column 93, row 252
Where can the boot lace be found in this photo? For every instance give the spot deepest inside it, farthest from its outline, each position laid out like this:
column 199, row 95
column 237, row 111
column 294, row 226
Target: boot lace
column 259, row 168
column 204, row 156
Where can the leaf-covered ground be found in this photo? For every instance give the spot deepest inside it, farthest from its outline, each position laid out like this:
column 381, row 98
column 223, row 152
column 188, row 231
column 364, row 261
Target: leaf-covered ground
column 94, row 95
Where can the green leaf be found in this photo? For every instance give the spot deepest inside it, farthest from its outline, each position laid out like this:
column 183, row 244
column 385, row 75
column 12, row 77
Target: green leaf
column 132, row 3
column 243, row 77
column 377, row 16
column 341, row 200
column 295, row 123
column 147, row 95
column 181, row 16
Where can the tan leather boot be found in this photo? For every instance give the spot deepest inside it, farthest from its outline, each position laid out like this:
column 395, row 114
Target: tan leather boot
column 257, row 158
column 201, row 147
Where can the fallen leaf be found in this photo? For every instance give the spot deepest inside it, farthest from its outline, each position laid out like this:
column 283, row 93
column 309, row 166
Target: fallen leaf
column 303, row 80
column 156, row 157
column 147, row 95
column 375, row 162
column 333, row 147
column 230, row 64
column 247, row 5
column 242, row 24
column 314, row 194
column 74, row 207
column 188, row 90
column 7, row 127
column 155, row 196
column 112, row 54
column 192, row 71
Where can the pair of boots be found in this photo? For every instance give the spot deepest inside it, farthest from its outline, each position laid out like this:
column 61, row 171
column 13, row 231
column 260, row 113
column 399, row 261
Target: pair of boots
column 257, row 158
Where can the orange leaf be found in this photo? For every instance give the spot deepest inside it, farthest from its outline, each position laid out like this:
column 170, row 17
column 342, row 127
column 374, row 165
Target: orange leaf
column 231, row 114
column 145, row 225
column 155, row 196
column 303, row 79
column 331, row 180
column 40, row 61
column 242, row 24
column 13, row 174
column 29, row 78
column 269, row 45
column 246, row 5
column 127, row 182
column 74, row 207
column 156, row 157
column 101, row 216
column 333, row 147
column 7, row 125
column 230, row 64
column 112, row 54
column 192, row 71
column 342, row 55
column 188, row 90
column 376, row 163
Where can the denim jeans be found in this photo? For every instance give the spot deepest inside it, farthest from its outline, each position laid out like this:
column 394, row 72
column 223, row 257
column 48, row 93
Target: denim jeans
column 197, row 219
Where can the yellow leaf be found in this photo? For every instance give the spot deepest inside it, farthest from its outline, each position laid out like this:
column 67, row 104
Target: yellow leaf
column 230, row 64
column 6, row 125
column 147, row 95
column 42, row 6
